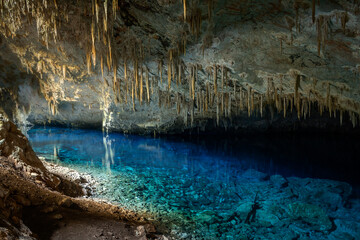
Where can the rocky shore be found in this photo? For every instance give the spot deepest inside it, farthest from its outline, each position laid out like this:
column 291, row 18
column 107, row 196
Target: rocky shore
column 42, row 201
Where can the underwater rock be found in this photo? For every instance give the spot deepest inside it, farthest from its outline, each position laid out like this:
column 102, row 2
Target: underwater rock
column 346, row 229
column 268, row 215
column 310, row 214
column 278, row 181
column 254, row 175
column 325, row 193
column 205, row 216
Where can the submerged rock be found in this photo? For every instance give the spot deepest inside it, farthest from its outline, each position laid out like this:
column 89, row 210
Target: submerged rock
column 346, row 229
column 311, row 214
column 252, row 174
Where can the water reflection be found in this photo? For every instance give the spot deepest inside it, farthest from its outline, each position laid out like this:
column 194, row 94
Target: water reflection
column 220, row 158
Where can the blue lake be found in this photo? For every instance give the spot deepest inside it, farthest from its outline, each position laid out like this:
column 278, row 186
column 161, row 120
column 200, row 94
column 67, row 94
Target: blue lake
column 205, row 187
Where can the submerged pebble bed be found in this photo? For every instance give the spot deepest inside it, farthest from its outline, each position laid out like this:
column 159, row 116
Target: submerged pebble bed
column 194, row 194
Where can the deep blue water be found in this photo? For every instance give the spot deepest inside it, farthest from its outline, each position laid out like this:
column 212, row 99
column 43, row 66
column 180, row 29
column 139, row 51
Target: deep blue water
column 183, row 180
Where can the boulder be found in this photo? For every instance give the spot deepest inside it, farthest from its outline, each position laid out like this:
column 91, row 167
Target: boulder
column 311, row 214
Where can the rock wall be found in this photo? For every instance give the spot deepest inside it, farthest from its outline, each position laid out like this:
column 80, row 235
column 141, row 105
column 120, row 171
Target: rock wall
column 168, row 66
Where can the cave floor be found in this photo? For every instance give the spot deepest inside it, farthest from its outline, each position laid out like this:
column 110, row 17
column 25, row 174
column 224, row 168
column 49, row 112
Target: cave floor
column 70, row 224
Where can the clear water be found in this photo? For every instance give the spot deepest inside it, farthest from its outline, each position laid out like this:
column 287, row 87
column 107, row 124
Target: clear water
column 195, row 187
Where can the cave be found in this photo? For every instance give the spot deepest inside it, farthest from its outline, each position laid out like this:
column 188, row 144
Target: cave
column 179, row 119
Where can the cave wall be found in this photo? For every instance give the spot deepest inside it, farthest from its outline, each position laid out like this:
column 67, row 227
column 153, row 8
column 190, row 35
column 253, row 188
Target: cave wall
column 143, row 66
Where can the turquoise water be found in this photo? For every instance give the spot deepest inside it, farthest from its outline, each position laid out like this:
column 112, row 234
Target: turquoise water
column 206, row 188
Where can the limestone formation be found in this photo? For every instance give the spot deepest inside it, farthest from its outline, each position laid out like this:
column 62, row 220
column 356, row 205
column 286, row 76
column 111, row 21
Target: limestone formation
column 99, row 61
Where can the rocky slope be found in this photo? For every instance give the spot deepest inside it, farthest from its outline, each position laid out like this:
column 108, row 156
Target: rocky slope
column 37, row 204
column 167, row 66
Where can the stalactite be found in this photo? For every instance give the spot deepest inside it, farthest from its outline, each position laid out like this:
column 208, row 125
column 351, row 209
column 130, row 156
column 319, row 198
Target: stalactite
column 102, row 66
column 296, row 93
column 180, row 70
column 169, row 75
column 167, row 98
column 159, row 98
column 261, row 105
column 207, row 96
column 309, row 108
column 353, row 119
column 108, row 62
column 190, row 84
column 319, row 23
column 193, row 84
column 198, row 101
column 105, row 25
column 285, row 107
column 203, row 102
column 93, row 50
column 344, row 19
column 252, row 100
column 241, row 100
column 229, row 105
column 136, row 72
column 97, row 10
column 160, row 71
column 104, row 38
column 192, row 114
column 291, row 24
column 177, row 104
column 234, row 83
column 226, row 105
column 152, row 85
column 147, row 86
column 64, row 71
column 222, row 78
column 248, row 100
column 88, row 62
column 114, row 7
column 276, row 99
column 297, row 18
column 173, row 71
column 115, row 73
column 322, row 27
column 313, row 10
column 341, row 117
column 217, row 113
column 222, row 103
column 268, row 90
column 133, row 95
column 184, row 2
column 328, row 95
column 215, row 80
column 330, row 106
column 106, row 10
column 186, row 109
column 141, row 86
